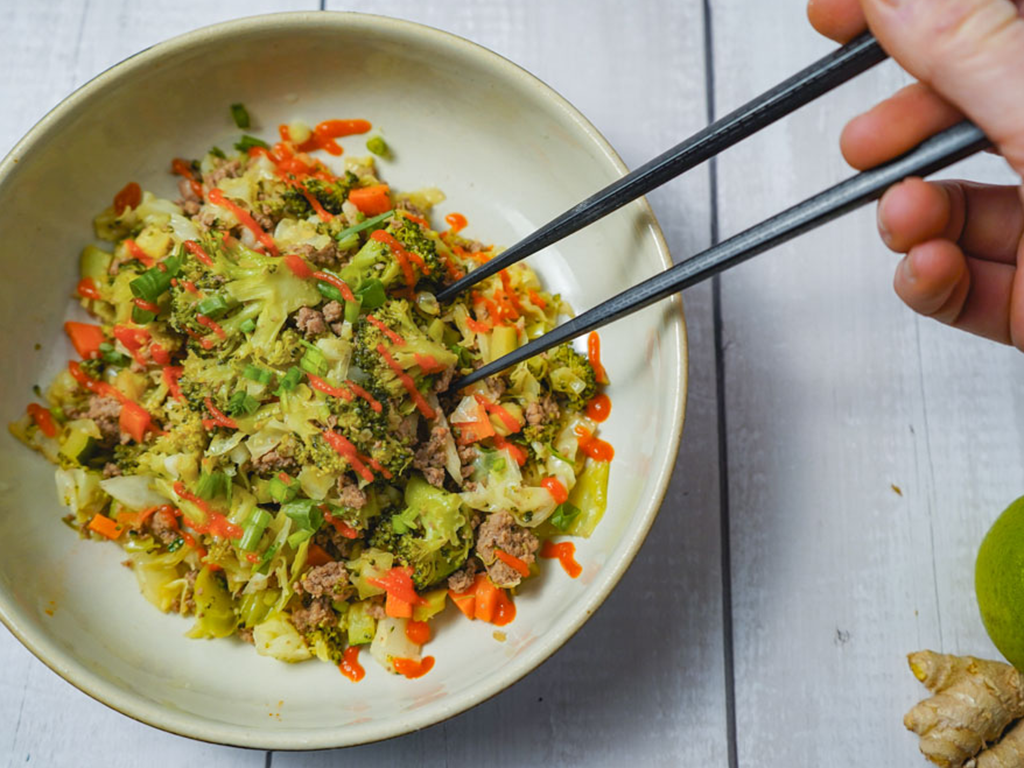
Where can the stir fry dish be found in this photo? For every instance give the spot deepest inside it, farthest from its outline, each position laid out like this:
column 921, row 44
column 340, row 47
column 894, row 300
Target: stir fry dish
column 261, row 409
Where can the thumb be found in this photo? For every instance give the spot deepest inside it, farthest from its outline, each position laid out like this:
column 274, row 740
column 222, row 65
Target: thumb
column 969, row 51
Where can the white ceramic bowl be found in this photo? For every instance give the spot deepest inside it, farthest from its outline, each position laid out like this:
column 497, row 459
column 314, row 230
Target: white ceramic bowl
column 510, row 154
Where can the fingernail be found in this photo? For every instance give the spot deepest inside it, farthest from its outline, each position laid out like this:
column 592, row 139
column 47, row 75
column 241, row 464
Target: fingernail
column 906, row 270
column 883, row 230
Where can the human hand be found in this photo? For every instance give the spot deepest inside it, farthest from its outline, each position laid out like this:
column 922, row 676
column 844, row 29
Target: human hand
column 964, row 242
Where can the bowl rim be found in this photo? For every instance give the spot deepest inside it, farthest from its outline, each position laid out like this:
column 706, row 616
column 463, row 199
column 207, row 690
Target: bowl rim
column 185, row 723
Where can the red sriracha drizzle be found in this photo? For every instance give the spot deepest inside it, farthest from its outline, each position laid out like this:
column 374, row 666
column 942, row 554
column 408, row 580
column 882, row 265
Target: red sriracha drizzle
column 510, row 422
column 397, row 340
column 565, row 553
column 129, row 197
column 350, row 666
column 360, row 392
column 407, row 382
column 87, row 289
column 594, row 447
column 594, row 355
column 216, row 524
column 347, row 451
column 599, row 408
column 220, row 419
column 317, row 383
column 402, row 256
column 245, row 219
column 556, row 489
column 180, row 167
column 337, row 282
column 197, row 250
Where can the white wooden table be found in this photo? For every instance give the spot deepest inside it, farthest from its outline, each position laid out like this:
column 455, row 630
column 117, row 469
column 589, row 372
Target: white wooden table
column 765, row 621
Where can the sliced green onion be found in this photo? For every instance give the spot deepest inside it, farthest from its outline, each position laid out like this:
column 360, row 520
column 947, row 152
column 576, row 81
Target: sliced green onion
column 329, row 292
column 257, row 523
column 290, row 381
column 242, row 403
column 313, row 361
column 111, row 356
column 240, row 115
column 248, row 326
column 255, row 373
column 282, row 492
column 210, row 484
column 348, row 242
column 563, row 515
column 218, row 152
column 175, row 545
column 352, row 310
column 142, row 316
column 267, row 557
column 297, row 538
column 378, row 146
column 371, row 294
column 150, row 284
column 367, row 224
column 213, row 306
column 247, row 142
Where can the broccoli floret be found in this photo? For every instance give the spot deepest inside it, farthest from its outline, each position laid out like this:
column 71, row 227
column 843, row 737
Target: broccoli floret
column 545, row 434
column 330, row 194
column 417, row 349
column 432, row 534
column 373, row 260
column 327, row 642
column 415, row 239
column 570, row 376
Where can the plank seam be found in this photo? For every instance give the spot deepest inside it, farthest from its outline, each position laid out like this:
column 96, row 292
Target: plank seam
column 931, row 478
column 723, row 453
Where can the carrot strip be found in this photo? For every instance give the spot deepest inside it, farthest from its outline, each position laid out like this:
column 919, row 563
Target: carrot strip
column 43, row 419
column 372, row 201
column 105, row 526
column 85, row 338
column 317, row 555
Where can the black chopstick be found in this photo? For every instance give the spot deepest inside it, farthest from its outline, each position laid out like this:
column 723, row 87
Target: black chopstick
column 936, row 153
column 820, row 77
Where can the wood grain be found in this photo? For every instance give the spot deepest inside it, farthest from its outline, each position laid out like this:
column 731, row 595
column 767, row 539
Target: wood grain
column 47, row 51
column 836, row 393
column 644, row 680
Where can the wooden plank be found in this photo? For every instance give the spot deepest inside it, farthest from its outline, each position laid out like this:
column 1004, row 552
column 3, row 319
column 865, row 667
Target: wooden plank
column 643, row 680
column 45, row 53
column 835, row 393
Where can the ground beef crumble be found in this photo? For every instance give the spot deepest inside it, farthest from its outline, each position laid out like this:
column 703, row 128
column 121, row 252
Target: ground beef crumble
column 500, row 531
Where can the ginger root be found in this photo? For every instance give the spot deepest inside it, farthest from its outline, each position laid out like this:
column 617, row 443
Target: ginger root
column 1008, row 753
column 972, row 704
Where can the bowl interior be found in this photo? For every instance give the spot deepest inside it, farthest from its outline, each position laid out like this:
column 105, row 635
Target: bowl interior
column 509, row 154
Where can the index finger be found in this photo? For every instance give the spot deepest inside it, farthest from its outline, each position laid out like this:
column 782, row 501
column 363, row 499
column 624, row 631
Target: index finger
column 841, row 20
